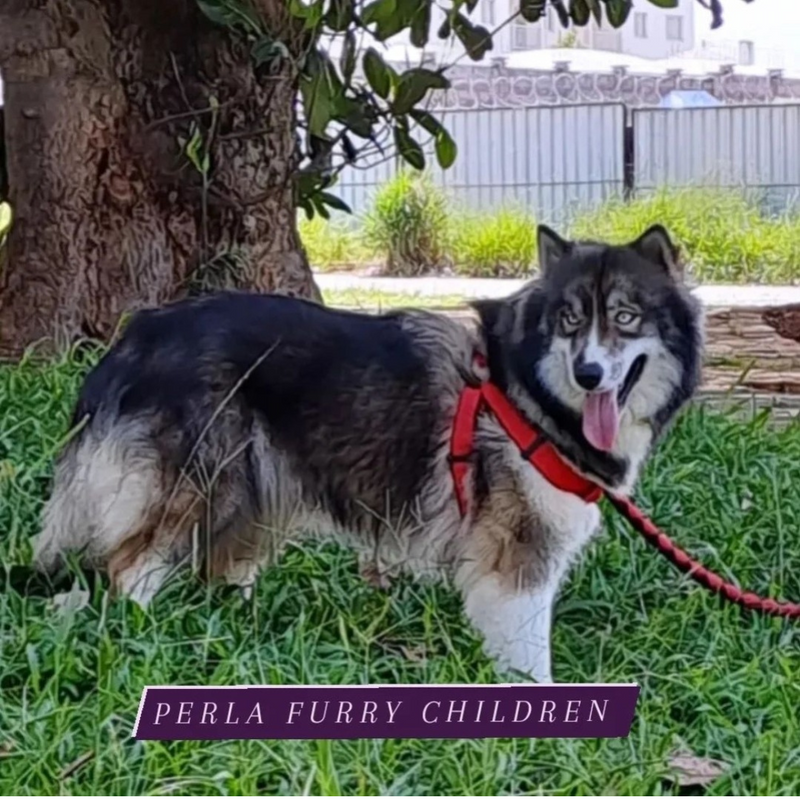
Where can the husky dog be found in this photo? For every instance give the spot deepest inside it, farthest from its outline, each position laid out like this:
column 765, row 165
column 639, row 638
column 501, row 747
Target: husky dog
column 217, row 429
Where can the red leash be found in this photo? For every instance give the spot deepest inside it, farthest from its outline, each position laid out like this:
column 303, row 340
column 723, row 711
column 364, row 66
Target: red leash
column 696, row 571
column 543, row 456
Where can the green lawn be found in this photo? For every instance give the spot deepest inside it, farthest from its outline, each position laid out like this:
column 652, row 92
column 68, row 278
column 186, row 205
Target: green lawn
column 715, row 680
column 375, row 300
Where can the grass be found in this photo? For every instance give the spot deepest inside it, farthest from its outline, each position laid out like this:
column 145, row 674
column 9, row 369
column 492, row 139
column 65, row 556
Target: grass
column 716, row 680
column 333, row 245
column 500, row 245
column 376, row 300
column 724, row 235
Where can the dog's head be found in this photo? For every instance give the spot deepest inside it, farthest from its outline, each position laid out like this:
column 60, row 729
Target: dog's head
column 607, row 337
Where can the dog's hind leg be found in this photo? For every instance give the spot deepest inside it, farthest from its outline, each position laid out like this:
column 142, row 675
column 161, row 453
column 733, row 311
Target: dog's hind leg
column 142, row 563
column 102, row 493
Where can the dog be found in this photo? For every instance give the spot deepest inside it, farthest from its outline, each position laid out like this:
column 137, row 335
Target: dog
column 220, row 428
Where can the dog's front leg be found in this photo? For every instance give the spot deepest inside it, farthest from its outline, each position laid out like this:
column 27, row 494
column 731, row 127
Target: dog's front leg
column 515, row 623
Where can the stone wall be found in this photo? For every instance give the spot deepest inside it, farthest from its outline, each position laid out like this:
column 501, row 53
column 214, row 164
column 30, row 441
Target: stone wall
column 495, row 86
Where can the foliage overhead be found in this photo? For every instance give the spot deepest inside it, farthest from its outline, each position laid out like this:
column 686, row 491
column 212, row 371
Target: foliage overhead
column 356, row 106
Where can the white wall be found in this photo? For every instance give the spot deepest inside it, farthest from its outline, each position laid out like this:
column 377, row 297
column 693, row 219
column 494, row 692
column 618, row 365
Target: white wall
column 656, row 44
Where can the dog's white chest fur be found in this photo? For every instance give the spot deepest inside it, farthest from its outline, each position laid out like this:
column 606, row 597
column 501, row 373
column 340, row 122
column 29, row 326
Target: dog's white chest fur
column 512, row 604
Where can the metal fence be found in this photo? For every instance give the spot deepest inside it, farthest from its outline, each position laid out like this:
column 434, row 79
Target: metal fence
column 751, row 148
column 548, row 160
column 555, row 160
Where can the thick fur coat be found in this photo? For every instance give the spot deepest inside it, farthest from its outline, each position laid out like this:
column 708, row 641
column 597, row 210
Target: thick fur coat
column 219, row 429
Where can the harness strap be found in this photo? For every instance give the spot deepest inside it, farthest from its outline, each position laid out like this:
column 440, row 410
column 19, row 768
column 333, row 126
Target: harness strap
column 533, row 445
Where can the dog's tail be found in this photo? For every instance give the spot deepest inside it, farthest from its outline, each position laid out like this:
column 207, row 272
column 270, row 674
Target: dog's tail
column 105, row 482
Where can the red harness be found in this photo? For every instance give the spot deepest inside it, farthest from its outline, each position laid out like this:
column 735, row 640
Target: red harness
column 533, row 446
column 541, row 453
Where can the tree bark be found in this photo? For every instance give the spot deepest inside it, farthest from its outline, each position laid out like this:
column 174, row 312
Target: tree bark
column 110, row 215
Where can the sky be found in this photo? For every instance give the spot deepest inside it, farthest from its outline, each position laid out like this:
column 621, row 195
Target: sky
column 767, row 23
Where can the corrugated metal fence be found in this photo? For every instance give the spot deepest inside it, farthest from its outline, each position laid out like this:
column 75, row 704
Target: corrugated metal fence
column 558, row 159
column 752, row 148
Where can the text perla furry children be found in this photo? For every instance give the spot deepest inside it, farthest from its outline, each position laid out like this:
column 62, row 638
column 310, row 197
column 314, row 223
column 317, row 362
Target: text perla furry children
column 217, row 429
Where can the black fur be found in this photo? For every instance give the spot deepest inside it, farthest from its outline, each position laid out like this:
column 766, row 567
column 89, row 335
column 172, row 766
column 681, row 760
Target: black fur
column 346, row 397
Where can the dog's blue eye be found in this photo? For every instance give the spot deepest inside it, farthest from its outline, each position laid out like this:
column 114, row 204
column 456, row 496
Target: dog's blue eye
column 626, row 318
column 569, row 318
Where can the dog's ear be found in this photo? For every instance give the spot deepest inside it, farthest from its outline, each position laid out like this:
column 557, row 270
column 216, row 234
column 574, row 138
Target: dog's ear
column 551, row 248
column 656, row 246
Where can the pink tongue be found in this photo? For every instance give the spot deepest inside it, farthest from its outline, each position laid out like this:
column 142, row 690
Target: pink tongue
column 601, row 419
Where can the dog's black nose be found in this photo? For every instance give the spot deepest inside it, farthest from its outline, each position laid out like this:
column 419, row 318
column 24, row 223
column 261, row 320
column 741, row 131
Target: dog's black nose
column 588, row 375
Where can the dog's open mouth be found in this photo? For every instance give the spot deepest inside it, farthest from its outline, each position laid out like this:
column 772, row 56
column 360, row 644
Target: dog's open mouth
column 601, row 411
column 634, row 373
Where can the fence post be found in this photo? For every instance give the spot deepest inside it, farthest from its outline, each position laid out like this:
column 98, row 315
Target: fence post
column 629, row 166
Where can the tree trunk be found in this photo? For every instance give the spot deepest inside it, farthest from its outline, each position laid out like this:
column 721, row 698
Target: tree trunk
column 103, row 101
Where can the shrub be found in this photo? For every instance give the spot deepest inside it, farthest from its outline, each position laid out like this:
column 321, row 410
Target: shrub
column 331, row 245
column 500, row 245
column 407, row 224
column 724, row 237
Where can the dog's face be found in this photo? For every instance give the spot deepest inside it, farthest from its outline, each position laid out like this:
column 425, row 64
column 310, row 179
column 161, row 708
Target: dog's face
column 610, row 329
column 606, row 333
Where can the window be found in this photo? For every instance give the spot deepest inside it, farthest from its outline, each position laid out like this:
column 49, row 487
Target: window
column 551, row 20
column 674, row 28
column 525, row 35
column 746, row 53
column 488, row 12
column 640, row 25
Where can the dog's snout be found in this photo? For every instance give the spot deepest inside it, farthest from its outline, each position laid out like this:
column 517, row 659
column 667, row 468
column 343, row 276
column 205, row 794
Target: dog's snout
column 588, row 375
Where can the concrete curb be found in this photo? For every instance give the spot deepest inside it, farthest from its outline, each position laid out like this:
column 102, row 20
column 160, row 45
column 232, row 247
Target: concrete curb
column 709, row 295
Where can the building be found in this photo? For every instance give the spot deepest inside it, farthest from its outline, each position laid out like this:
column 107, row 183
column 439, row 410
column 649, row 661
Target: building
column 649, row 32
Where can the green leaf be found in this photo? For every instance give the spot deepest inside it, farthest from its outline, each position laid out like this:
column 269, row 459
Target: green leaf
column 320, row 89
column 561, row 10
column 356, row 115
column 339, row 15
column 445, row 29
column 446, row 150
column 350, row 152
column 427, row 121
column 266, row 50
column 319, row 206
column 597, row 10
column 310, row 13
column 192, row 150
column 306, row 205
column 335, row 202
column 377, row 72
column 531, row 10
column 617, row 12
column 378, row 10
column 579, row 11
column 219, row 12
column 444, row 144
column 476, row 39
column 414, row 85
column 665, row 3
column 420, row 25
column 409, row 149
column 348, row 59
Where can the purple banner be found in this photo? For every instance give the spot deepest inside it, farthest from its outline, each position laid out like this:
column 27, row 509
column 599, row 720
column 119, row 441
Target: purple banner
column 448, row 711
